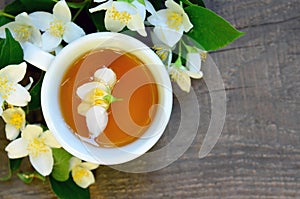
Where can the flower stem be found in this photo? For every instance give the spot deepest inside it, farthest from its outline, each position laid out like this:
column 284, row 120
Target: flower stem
column 77, row 13
column 110, row 99
column 178, row 62
column 2, row 13
column 85, row 3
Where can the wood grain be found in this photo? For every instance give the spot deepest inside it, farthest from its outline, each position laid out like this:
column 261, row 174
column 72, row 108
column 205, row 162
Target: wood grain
column 258, row 154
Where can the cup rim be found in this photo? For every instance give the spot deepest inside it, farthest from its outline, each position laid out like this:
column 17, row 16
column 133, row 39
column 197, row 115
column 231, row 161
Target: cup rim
column 68, row 140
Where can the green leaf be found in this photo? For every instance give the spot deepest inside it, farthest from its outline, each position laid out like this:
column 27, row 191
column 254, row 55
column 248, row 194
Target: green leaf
column 15, row 8
column 60, row 170
column 194, row 2
column 210, row 30
column 38, row 5
column 4, row 20
column 157, row 4
column 142, row 2
column 14, row 165
column 98, row 20
column 35, row 93
column 44, row 127
column 68, row 189
column 77, row 5
column 28, row 177
column 11, row 51
column 128, row 1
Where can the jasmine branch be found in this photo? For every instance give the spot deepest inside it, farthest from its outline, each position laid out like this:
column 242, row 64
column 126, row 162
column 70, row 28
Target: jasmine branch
column 2, row 13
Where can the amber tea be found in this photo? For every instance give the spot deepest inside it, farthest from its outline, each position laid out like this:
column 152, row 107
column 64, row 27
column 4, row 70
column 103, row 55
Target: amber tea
column 129, row 117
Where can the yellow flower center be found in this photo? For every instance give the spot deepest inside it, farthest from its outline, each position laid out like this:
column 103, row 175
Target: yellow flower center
column 57, row 28
column 174, row 20
column 161, row 52
column 5, row 87
column 79, row 173
column 123, row 17
column 203, row 56
column 97, row 98
column 174, row 74
column 23, row 33
column 16, row 120
column 37, row 146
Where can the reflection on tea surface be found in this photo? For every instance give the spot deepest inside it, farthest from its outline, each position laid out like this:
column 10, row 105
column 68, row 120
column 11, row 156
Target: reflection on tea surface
column 129, row 118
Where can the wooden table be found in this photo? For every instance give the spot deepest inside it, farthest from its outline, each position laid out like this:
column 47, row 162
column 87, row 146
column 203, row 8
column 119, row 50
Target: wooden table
column 258, row 153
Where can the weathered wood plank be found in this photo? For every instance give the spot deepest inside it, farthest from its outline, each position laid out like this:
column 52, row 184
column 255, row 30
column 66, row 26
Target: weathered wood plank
column 258, row 154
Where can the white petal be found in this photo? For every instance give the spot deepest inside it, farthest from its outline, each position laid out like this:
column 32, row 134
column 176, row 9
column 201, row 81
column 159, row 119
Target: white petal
column 85, row 180
column 33, row 54
column 172, row 5
column 137, row 24
column 11, row 132
column 1, row 104
column 98, row 97
column 17, row 148
column 182, row 78
column 193, row 62
column 28, row 86
column 187, row 25
column 168, row 36
column 8, row 113
column 23, row 18
column 19, row 97
column 149, row 7
column 155, row 40
column 88, row 87
column 96, row 120
column 141, row 9
column 41, row 20
column 159, row 18
column 125, row 7
column 49, row 42
column 83, row 108
column 43, row 162
column 106, row 75
column 58, row 49
column 103, row 6
column 31, row 131
column 50, row 140
column 113, row 25
column 72, row 32
column 89, row 166
column 184, row 82
column 12, row 27
column 36, row 37
column 62, row 12
column 90, row 140
column 195, row 75
column 74, row 161
column 14, row 73
column 194, row 65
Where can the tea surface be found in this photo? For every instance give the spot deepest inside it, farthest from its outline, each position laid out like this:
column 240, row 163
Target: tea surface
column 129, row 118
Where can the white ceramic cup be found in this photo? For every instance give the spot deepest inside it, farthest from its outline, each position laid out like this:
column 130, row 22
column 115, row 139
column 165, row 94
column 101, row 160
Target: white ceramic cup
column 51, row 101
